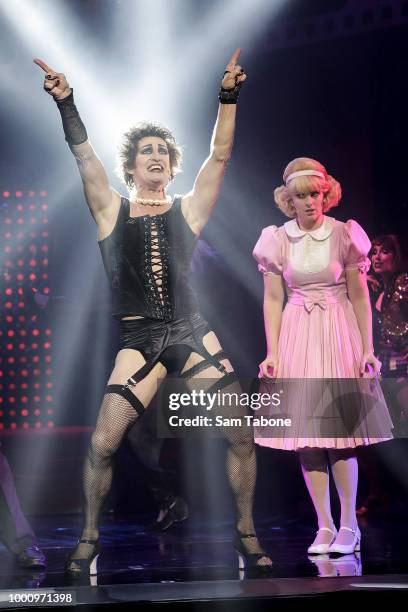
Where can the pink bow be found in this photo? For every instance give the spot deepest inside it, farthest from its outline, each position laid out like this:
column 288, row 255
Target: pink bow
column 310, row 304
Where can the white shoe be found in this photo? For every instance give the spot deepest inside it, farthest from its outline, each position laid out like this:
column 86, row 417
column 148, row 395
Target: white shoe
column 322, row 549
column 347, row 549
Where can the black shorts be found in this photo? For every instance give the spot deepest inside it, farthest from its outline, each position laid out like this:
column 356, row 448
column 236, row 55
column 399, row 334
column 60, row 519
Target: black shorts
column 170, row 342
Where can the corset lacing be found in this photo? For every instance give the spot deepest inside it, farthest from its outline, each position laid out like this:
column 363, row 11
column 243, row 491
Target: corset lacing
column 156, row 257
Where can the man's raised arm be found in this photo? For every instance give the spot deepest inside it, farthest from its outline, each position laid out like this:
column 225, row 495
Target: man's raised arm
column 102, row 200
column 199, row 203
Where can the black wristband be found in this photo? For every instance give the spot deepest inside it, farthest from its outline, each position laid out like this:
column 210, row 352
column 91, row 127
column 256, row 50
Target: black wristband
column 229, row 96
column 74, row 129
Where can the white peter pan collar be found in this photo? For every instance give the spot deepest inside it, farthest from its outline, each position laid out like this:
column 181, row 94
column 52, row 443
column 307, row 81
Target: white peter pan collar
column 321, row 233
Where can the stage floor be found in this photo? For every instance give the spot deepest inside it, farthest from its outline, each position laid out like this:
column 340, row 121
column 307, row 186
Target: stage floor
column 194, row 562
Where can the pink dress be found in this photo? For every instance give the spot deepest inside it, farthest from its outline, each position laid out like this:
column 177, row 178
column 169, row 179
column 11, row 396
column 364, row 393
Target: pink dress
column 319, row 336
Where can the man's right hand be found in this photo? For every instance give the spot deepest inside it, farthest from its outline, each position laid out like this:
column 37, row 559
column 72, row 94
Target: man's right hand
column 55, row 83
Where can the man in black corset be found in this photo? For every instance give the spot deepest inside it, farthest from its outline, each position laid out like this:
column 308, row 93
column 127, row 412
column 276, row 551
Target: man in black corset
column 146, row 242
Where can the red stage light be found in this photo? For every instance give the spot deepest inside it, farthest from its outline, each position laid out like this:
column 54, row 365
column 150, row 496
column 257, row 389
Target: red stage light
column 36, row 372
column 43, row 194
column 12, row 400
column 45, row 276
column 44, row 234
column 49, row 398
column 10, row 333
column 21, row 305
column 19, row 194
column 36, row 398
column 8, row 291
column 44, row 248
column 32, row 276
column 23, row 332
column 48, row 359
column 20, row 220
column 35, row 332
column 12, row 386
column 37, row 412
column 38, row 425
column 23, row 360
column 45, row 262
column 48, row 332
column 22, row 346
column 1, row 426
column 31, row 194
column 49, row 385
column 24, row 385
column 24, row 373
column 48, row 371
column 33, row 263
column 20, row 277
column 35, row 359
column 21, row 262
column 50, row 424
column 50, row 411
column 21, row 318
column 37, row 385
column 25, row 425
column 20, row 291
column 46, row 345
column 13, row 426
column 7, row 235
column 11, row 360
column 7, row 249
column 46, row 290
column 44, row 206
column 6, row 194
column 34, row 346
column 24, row 412
column 8, row 305
column 9, row 347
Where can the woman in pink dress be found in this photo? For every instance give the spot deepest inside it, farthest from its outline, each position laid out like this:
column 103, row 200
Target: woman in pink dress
column 324, row 332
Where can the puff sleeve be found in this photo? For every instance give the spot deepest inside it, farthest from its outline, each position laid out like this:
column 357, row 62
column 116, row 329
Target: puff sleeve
column 356, row 246
column 268, row 251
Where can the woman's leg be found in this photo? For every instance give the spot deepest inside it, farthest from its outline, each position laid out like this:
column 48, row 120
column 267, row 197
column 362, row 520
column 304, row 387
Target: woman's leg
column 116, row 415
column 316, row 476
column 344, row 468
column 241, row 458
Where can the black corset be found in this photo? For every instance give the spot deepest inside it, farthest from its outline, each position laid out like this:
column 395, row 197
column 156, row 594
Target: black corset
column 147, row 261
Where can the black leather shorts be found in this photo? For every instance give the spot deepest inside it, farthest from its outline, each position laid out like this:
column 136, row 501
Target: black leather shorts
column 169, row 342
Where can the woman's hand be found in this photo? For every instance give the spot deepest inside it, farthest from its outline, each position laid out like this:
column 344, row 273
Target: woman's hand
column 370, row 366
column 269, row 367
column 55, row 83
column 374, row 283
column 234, row 74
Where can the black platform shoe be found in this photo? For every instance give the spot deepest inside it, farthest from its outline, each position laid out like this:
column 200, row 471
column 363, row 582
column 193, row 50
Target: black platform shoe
column 31, row 557
column 250, row 561
column 83, row 567
column 174, row 512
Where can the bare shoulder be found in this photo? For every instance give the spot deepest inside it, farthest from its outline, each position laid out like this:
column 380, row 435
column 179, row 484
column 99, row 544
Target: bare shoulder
column 107, row 217
column 187, row 211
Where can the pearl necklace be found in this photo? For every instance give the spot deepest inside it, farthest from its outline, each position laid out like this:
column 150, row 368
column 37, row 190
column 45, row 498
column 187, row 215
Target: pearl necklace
column 147, row 202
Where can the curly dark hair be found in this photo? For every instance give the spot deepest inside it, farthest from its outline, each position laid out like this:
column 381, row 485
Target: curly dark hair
column 127, row 150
